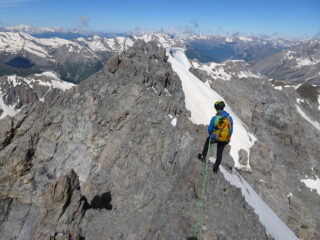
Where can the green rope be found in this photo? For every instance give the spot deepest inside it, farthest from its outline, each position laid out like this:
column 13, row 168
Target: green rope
column 198, row 227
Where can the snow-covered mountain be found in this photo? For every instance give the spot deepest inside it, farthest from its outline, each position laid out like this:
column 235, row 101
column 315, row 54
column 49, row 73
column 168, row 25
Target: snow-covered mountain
column 74, row 60
column 300, row 64
column 15, row 91
column 77, row 59
column 30, row 29
column 218, row 48
column 58, row 32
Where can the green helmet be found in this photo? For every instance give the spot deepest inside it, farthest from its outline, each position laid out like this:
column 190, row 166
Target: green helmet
column 219, row 105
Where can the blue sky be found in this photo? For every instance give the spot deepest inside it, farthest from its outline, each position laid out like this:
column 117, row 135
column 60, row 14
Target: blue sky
column 295, row 18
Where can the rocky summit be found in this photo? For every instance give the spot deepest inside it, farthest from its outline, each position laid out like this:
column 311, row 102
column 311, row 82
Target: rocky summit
column 116, row 158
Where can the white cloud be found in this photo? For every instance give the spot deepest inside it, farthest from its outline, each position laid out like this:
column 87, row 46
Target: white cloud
column 83, row 22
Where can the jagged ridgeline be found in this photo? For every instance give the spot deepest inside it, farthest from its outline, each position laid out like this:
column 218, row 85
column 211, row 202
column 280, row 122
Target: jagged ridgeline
column 73, row 60
column 104, row 161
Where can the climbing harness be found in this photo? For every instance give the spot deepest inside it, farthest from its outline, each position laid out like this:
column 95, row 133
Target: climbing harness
column 198, row 228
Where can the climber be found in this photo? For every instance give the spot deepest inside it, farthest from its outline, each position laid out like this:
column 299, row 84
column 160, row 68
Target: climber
column 220, row 131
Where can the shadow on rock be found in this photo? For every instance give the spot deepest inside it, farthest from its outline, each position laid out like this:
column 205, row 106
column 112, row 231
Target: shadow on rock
column 102, row 201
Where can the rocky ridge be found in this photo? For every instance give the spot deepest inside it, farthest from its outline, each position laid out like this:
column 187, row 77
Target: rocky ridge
column 104, row 161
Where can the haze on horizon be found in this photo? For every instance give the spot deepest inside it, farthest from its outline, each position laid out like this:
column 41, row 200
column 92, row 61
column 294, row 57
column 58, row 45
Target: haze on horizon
column 294, row 18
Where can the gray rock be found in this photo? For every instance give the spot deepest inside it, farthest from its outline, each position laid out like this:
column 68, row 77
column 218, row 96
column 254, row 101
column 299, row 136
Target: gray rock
column 243, row 157
column 138, row 173
column 62, row 210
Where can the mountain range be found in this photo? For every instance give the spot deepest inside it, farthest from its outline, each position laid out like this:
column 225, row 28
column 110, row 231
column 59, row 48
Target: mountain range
column 115, row 156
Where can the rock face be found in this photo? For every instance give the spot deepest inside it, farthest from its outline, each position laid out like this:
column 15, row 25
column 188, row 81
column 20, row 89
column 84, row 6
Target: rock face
column 62, row 210
column 138, row 175
column 287, row 149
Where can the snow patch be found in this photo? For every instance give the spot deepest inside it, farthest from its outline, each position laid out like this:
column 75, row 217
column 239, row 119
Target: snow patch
column 199, row 99
column 297, row 86
column 174, row 122
column 314, row 123
column 273, row 224
column 245, row 39
column 305, row 62
column 55, row 81
column 313, row 184
column 7, row 110
column 167, row 92
column 247, row 74
column 47, row 74
column 13, row 79
column 300, row 100
column 218, row 70
column 228, row 39
column 215, row 70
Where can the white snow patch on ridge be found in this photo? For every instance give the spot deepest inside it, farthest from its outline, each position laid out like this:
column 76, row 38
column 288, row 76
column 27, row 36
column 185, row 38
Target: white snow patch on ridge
column 305, row 62
column 7, row 110
column 280, row 88
column 312, row 122
column 52, row 81
column 247, row 74
column 313, row 184
column 48, row 74
column 200, row 98
column 273, row 224
column 13, row 79
column 215, row 70
column 218, row 71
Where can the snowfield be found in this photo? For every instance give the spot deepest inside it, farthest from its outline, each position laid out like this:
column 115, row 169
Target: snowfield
column 273, row 224
column 314, row 123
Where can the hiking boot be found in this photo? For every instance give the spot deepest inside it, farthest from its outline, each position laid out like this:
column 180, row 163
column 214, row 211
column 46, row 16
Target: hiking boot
column 215, row 170
column 201, row 157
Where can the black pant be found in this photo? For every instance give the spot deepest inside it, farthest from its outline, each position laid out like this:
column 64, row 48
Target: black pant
column 220, row 147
